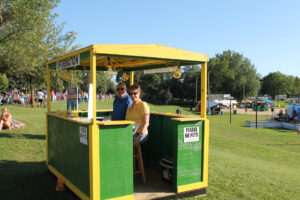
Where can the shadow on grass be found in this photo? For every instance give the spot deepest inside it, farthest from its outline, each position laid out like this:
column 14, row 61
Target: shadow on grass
column 29, row 180
column 22, row 136
column 285, row 144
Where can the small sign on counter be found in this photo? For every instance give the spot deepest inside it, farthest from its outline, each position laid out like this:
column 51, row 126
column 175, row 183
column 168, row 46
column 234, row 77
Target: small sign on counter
column 191, row 134
column 83, row 135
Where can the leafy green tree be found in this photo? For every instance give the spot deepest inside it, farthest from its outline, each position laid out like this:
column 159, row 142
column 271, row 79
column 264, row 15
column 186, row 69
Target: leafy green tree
column 276, row 83
column 190, row 74
column 231, row 73
column 26, row 54
column 3, row 82
column 102, row 82
column 18, row 17
column 296, row 90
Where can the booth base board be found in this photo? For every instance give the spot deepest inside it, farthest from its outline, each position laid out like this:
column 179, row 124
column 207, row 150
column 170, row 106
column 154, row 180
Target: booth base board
column 156, row 188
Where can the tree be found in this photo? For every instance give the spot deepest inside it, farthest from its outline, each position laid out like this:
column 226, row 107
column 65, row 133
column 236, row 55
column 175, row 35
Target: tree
column 3, row 82
column 231, row 73
column 190, row 74
column 26, row 54
column 18, row 17
column 276, row 83
column 296, row 90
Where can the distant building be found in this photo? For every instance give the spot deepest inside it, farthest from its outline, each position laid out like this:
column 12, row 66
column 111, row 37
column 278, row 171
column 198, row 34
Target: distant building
column 223, row 99
column 280, row 97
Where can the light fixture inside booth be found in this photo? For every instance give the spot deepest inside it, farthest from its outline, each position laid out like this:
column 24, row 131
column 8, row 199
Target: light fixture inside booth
column 125, row 76
column 177, row 73
column 110, row 72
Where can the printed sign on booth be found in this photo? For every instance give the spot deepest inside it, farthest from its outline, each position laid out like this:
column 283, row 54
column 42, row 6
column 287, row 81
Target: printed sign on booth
column 191, row 134
column 72, row 98
column 83, row 135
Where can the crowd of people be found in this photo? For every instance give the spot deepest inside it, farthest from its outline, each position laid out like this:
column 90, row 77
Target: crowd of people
column 126, row 106
column 40, row 96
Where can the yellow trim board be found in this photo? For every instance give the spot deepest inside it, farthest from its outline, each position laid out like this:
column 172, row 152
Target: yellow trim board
column 94, row 161
column 69, row 119
column 203, row 89
column 140, row 50
column 127, row 197
column 167, row 114
column 68, row 183
column 71, row 54
column 151, row 51
column 187, row 119
column 47, row 142
column 206, row 151
column 111, row 123
column 189, row 187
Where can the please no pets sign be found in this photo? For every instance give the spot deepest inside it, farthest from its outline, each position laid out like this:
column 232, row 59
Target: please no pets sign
column 191, row 134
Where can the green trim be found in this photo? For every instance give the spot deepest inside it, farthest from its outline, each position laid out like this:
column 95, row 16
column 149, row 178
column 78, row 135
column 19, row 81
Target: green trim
column 84, row 55
column 52, row 65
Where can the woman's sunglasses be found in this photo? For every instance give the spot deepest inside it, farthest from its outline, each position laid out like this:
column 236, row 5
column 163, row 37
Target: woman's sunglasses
column 132, row 93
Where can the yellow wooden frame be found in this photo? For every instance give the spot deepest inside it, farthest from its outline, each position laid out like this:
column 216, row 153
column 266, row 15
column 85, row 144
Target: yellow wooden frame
column 156, row 52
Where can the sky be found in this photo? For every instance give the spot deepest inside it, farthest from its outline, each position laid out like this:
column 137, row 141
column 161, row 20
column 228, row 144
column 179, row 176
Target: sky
column 265, row 31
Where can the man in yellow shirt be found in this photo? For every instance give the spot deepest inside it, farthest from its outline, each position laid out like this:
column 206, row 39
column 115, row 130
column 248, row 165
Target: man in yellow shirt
column 138, row 112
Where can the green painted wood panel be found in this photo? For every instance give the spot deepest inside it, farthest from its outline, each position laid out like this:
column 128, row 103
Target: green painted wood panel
column 188, row 156
column 167, row 136
column 116, row 161
column 67, row 154
column 84, row 55
column 98, row 114
column 152, row 147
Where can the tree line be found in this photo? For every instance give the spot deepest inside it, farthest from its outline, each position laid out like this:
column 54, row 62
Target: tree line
column 228, row 73
column 29, row 37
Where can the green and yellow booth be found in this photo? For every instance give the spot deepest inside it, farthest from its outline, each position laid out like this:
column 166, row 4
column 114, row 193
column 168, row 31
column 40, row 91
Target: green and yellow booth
column 95, row 158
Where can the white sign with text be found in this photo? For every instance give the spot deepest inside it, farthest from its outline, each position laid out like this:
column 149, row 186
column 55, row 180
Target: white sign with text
column 83, row 135
column 160, row 70
column 191, row 134
column 68, row 62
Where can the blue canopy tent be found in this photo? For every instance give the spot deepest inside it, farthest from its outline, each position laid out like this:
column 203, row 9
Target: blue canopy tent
column 261, row 104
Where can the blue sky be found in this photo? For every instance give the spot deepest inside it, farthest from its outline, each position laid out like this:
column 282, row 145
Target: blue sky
column 266, row 31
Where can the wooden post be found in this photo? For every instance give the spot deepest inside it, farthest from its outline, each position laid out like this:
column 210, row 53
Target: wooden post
column 131, row 78
column 203, row 89
column 48, row 89
column 93, row 82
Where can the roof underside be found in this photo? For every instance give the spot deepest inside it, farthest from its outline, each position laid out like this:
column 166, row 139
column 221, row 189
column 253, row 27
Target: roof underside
column 134, row 57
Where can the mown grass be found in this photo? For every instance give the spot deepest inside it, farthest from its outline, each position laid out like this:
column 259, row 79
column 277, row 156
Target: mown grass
column 281, row 103
column 244, row 163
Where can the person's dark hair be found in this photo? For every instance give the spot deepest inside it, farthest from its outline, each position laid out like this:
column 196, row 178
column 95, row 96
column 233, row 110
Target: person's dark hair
column 122, row 83
column 135, row 87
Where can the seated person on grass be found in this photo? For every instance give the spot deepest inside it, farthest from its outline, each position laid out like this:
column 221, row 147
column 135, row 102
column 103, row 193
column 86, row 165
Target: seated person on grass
column 6, row 119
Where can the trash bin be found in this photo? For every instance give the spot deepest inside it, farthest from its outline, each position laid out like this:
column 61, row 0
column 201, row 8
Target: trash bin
column 234, row 112
column 212, row 112
column 222, row 113
column 178, row 111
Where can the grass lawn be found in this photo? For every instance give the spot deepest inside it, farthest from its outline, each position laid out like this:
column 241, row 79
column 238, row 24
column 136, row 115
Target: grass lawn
column 281, row 103
column 244, row 163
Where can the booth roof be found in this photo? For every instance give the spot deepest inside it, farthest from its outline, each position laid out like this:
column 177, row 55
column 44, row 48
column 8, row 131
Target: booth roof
column 132, row 57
